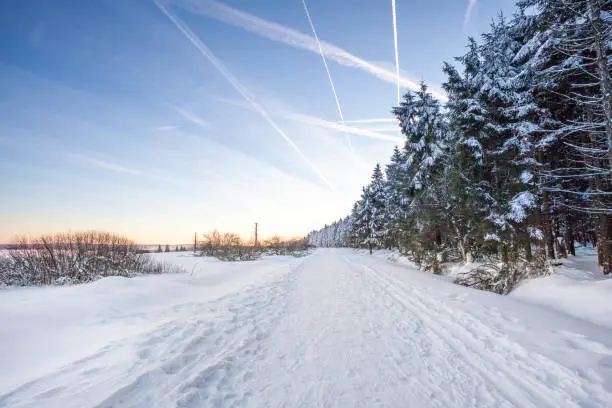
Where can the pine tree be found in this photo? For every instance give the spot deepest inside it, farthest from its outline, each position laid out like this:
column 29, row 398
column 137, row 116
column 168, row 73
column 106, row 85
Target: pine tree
column 512, row 120
column 468, row 197
column 427, row 134
column 369, row 213
column 397, row 201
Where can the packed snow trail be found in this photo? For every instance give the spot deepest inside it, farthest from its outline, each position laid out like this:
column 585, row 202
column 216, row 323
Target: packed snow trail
column 335, row 329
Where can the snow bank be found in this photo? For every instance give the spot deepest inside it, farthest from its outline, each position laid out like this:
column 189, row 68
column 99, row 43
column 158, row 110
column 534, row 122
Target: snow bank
column 350, row 328
column 577, row 288
column 77, row 321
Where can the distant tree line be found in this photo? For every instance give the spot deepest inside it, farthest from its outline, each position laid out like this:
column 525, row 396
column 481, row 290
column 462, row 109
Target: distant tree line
column 167, row 248
column 516, row 167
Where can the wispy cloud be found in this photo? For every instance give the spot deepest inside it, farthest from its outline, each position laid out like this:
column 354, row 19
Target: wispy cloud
column 207, row 53
column 103, row 164
column 331, row 81
column 469, row 11
column 397, row 68
column 167, row 128
column 294, row 38
column 192, row 117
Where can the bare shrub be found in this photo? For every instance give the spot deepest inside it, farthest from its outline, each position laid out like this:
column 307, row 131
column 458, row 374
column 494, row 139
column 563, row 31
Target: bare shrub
column 211, row 244
column 148, row 266
column 74, row 257
column 230, row 247
column 227, row 247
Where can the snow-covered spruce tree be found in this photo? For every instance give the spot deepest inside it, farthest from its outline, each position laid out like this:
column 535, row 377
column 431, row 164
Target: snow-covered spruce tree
column 573, row 47
column 426, row 133
column 369, row 213
column 511, row 123
column 468, row 199
column 397, row 201
column 495, row 193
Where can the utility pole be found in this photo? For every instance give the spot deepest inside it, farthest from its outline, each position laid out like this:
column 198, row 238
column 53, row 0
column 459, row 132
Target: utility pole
column 195, row 242
column 256, row 225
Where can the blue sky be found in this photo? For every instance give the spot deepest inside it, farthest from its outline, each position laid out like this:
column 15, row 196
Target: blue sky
column 159, row 120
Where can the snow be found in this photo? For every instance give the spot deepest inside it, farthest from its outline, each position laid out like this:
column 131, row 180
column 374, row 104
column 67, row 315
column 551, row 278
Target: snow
column 519, row 204
column 489, row 236
column 535, row 233
column 338, row 328
column 526, row 177
column 576, row 287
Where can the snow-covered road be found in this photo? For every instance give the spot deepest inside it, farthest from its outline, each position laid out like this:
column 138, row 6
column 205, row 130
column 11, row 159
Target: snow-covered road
column 334, row 329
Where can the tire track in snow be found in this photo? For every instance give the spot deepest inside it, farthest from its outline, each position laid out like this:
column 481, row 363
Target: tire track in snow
column 450, row 368
column 544, row 377
column 527, row 390
column 342, row 348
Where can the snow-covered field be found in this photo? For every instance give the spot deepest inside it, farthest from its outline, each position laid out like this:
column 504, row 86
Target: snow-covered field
column 335, row 329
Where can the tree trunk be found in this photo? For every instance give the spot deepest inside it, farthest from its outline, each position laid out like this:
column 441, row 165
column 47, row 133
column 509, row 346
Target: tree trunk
column 569, row 236
column 547, row 224
column 504, row 255
column 598, row 26
column 560, row 243
column 604, row 249
column 528, row 254
column 585, row 236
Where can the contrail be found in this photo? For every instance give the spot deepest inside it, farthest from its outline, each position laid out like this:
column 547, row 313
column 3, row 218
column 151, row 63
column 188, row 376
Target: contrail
column 312, row 120
column 207, row 53
column 397, row 69
column 340, row 127
column 468, row 12
column 103, row 164
column 376, row 120
column 193, row 118
column 294, row 38
column 331, row 81
column 390, row 128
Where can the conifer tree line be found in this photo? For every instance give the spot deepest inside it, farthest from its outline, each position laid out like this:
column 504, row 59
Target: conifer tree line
column 516, row 166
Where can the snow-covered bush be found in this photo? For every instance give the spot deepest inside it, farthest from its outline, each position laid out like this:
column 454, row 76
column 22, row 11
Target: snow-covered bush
column 503, row 278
